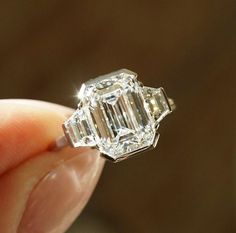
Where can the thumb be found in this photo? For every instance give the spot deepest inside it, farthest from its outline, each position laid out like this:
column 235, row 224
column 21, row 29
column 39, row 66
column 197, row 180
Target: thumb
column 41, row 191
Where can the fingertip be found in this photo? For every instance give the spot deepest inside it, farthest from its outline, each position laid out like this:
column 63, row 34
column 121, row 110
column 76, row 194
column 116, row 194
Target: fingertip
column 68, row 176
column 27, row 127
column 48, row 191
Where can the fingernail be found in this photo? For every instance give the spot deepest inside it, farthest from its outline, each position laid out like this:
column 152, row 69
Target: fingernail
column 60, row 196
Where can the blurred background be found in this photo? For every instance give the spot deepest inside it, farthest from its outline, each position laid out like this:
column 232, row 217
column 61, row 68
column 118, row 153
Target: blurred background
column 186, row 185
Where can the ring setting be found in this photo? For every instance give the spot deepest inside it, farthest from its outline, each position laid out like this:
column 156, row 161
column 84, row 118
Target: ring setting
column 117, row 115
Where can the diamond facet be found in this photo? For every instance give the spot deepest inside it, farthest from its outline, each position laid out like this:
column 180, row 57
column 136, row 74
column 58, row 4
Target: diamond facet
column 158, row 102
column 78, row 129
column 117, row 115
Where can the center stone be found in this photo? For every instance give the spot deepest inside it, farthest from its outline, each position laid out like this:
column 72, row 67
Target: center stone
column 118, row 115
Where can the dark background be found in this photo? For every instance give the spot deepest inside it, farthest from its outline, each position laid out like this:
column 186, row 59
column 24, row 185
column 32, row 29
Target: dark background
column 186, row 185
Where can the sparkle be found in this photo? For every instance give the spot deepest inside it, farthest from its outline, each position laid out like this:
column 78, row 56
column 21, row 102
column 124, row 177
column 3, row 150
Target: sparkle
column 117, row 115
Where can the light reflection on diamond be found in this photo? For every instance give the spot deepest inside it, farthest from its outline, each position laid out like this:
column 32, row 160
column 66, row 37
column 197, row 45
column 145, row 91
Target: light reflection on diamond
column 117, row 115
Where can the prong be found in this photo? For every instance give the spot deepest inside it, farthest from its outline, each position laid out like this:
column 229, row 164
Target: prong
column 172, row 104
column 157, row 136
column 140, row 84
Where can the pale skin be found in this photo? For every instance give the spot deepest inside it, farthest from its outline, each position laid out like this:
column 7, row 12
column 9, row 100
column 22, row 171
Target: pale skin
column 41, row 190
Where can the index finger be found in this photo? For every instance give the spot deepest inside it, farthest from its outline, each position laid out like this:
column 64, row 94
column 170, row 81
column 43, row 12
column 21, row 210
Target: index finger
column 41, row 190
column 26, row 129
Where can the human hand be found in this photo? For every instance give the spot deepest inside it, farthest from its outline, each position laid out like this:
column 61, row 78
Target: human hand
column 41, row 191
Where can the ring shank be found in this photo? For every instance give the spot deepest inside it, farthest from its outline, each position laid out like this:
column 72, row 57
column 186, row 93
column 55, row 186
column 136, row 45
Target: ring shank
column 59, row 143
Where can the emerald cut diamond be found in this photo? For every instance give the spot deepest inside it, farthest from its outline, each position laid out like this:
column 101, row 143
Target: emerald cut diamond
column 117, row 115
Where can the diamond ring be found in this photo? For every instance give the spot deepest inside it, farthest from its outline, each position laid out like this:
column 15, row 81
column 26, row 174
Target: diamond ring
column 117, row 115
